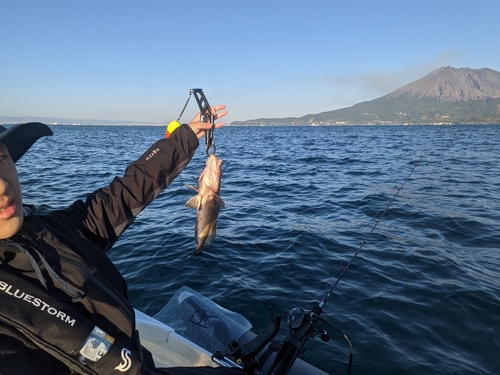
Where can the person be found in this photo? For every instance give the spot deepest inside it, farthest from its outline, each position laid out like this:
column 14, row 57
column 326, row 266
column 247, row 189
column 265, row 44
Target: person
column 63, row 304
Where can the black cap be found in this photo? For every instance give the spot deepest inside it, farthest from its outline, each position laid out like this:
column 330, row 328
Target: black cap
column 19, row 138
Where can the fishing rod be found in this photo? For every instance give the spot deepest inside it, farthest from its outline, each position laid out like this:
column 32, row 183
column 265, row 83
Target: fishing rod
column 301, row 324
column 363, row 241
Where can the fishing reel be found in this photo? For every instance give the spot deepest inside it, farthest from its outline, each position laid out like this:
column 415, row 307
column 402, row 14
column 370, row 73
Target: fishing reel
column 296, row 319
column 261, row 356
column 301, row 327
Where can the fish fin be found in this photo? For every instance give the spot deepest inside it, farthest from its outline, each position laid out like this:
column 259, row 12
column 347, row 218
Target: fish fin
column 195, row 253
column 192, row 187
column 194, row 202
column 219, row 201
column 199, row 246
column 211, row 235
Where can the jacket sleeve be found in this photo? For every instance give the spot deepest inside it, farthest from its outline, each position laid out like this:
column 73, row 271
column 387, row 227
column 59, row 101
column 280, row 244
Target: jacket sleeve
column 110, row 210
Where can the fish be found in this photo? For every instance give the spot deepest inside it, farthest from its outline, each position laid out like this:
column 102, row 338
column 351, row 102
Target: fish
column 207, row 203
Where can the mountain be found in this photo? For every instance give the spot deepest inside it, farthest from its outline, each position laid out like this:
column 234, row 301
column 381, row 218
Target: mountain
column 445, row 96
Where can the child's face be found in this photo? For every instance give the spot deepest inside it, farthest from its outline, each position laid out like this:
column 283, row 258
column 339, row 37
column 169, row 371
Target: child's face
column 11, row 201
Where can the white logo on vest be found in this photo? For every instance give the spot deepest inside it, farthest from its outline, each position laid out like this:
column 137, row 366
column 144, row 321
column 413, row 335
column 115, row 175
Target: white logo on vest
column 127, row 362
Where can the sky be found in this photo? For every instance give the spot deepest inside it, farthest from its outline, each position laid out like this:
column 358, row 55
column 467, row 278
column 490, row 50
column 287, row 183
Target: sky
column 136, row 60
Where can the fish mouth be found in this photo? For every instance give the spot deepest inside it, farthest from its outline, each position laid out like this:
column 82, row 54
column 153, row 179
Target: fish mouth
column 215, row 163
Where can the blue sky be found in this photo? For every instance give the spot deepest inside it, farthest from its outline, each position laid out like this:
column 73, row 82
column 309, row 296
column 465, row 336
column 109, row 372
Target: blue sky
column 137, row 60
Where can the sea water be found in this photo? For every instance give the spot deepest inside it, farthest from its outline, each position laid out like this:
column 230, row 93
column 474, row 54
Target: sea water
column 422, row 296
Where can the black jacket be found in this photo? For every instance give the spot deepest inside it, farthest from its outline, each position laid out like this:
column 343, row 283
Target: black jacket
column 66, row 250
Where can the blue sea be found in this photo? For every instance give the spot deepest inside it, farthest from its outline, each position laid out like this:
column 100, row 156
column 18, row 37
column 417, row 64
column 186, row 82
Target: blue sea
column 421, row 297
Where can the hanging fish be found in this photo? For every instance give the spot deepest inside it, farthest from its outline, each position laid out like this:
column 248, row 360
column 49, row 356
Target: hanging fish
column 207, row 203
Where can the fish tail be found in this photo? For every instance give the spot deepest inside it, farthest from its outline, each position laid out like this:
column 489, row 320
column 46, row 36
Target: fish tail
column 199, row 249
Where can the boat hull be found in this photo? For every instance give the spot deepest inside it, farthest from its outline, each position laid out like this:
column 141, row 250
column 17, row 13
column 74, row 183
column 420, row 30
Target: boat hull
column 169, row 349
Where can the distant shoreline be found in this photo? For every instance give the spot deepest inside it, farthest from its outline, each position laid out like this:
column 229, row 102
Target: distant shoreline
column 339, row 125
column 245, row 124
column 274, row 126
column 81, row 124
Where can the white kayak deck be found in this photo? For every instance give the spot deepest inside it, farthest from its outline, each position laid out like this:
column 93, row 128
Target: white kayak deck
column 170, row 349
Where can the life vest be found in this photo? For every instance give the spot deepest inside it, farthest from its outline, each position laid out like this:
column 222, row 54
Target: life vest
column 59, row 311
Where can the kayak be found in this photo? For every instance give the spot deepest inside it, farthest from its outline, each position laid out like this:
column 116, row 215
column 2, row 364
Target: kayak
column 191, row 328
